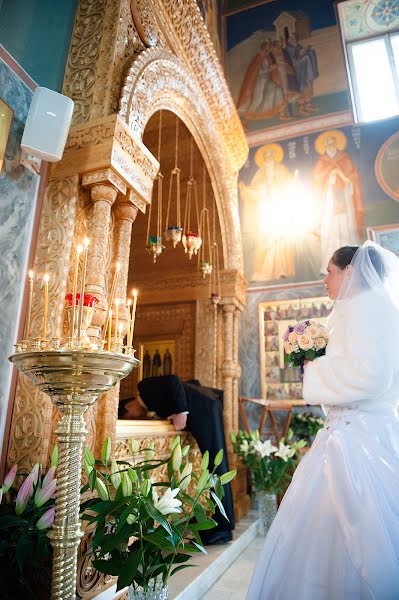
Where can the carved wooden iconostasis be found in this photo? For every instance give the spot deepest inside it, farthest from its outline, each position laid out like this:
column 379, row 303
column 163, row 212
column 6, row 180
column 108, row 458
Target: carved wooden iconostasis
column 129, row 60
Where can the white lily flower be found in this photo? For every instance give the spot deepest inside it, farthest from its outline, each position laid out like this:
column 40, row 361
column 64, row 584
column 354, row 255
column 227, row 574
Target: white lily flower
column 244, row 447
column 285, row 452
column 167, row 503
column 264, row 448
column 185, row 476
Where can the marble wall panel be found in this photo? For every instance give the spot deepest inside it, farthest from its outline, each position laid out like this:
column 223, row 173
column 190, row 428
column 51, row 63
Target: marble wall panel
column 18, row 194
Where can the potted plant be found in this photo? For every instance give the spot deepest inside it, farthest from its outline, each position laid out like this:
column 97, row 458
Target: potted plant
column 145, row 531
column 270, row 468
column 306, row 425
column 26, row 514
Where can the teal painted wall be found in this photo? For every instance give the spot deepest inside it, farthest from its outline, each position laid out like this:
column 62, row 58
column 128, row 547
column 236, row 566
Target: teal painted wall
column 37, row 34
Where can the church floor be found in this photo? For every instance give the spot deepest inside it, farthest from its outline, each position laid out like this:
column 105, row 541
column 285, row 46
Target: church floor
column 220, row 573
column 234, row 582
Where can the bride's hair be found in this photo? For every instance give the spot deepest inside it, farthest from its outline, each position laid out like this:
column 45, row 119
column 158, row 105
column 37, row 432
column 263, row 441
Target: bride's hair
column 345, row 255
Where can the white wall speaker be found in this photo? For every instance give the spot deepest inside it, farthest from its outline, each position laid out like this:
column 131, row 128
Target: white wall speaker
column 47, row 125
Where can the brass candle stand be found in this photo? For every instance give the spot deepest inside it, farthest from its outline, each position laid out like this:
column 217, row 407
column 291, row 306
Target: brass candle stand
column 74, row 375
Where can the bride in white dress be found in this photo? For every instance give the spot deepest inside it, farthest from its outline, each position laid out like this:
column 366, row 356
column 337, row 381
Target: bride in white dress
column 336, row 534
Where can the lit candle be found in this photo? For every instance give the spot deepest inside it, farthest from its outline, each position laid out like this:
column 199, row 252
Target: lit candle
column 116, row 319
column 109, row 329
column 75, row 287
column 134, row 292
column 27, row 329
column 129, row 303
column 46, row 279
column 112, row 294
column 86, row 243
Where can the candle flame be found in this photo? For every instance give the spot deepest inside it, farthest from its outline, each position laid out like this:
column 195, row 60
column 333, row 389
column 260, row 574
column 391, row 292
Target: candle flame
column 31, row 275
column 46, row 278
column 79, row 249
column 135, row 293
column 86, row 243
column 117, row 302
column 118, row 267
column 129, row 302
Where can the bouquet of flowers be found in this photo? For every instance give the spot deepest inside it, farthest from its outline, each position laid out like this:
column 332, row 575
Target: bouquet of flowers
column 271, row 467
column 306, row 340
column 26, row 514
column 146, row 529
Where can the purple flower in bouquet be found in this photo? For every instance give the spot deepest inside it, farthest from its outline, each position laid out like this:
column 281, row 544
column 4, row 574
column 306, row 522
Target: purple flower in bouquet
column 300, row 327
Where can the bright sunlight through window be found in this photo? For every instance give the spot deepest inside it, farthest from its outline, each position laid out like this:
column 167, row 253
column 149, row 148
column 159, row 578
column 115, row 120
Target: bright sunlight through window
column 374, row 66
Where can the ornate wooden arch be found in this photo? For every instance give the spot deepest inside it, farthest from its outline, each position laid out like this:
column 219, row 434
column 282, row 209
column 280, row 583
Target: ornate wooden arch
column 157, row 80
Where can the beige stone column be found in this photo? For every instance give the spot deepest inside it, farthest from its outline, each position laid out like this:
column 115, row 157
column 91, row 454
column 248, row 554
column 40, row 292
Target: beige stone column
column 125, row 213
column 237, row 373
column 104, row 188
column 228, row 371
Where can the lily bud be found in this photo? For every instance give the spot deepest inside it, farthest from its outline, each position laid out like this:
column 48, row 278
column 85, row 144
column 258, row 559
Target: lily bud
column 48, row 478
column 106, row 450
column 205, row 460
column 176, row 458
column 133, row 475
column 87, row 467
column 23, row 494
column 101, row 489
column 88, row 456
column 185, row 476
column 115, row 475
column 35, row 472
column 185, row 450
column 45, row 493
column 145, row 487
column 54, row 457
column 9, row 478
column 127, row 488
column 47, row 519
column 134, row 446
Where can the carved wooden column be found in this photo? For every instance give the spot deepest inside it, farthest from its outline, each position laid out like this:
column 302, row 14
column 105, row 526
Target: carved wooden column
column 103, row 196
column 125, row 213
column 228, row 371
column 237, row 373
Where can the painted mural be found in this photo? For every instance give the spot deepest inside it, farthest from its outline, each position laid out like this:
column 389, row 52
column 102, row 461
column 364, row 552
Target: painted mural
column 285, row 63
column 302, row 198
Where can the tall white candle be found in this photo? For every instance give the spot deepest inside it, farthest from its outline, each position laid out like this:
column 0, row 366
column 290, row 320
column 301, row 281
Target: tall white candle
column 27, row 330
column 134, row 292
column 86, row 243
column 111, row 296
column 79, row 250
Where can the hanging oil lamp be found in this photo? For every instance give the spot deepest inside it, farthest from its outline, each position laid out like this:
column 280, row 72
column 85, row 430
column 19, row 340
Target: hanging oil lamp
column 154, row 242
column 214, row 279
column 205, row 252
column 191, row 239
column 173, row 232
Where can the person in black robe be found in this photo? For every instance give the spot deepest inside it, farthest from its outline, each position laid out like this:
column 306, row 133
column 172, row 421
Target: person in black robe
column 200, row 410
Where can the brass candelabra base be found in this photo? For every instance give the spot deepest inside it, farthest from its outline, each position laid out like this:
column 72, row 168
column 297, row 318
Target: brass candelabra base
column 74, row 380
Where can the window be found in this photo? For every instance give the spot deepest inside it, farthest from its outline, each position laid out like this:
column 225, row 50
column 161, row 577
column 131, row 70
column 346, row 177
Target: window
column 374, row 75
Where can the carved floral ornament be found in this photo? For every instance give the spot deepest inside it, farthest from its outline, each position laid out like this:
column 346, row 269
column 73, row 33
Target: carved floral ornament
column 144, row 20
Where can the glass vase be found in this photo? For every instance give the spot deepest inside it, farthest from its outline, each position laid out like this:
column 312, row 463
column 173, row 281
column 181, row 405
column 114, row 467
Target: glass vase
column 157, row 592
column 267, row 506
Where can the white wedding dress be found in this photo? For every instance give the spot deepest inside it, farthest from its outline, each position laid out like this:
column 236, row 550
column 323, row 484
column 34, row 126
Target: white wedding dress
column 336, row 534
